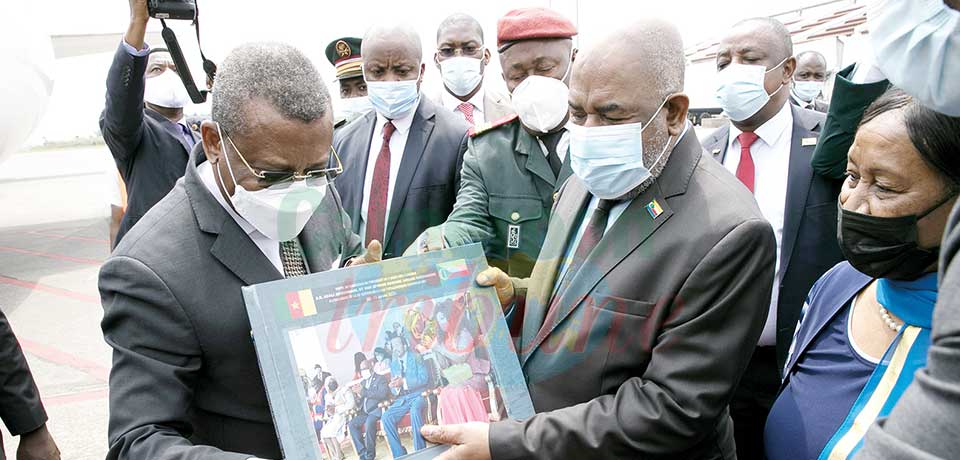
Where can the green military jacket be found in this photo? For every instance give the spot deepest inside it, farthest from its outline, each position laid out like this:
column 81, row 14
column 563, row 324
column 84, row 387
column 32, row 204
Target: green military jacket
column 506, row 194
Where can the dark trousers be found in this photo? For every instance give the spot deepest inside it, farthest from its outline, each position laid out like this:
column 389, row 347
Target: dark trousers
column 366, row 442
column 752, row 401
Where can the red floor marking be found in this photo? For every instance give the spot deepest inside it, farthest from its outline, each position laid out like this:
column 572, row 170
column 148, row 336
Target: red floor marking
column 68, row 237
column 51, row 290
column 57, row 356
column 83, row 396
column 79, row 260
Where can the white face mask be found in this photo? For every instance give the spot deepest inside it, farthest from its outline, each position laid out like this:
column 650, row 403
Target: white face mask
column 166, row 90
column 542, row 102
column 609, row 159
column 461, row 74
column 740, row 90
column 353, row 107
column 808, row 90
column 365, row 373
column 279, row 211
column 393, row 99
column 917, row 47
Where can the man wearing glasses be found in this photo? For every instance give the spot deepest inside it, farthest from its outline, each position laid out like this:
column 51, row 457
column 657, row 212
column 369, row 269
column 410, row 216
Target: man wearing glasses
column 185, row 381
column 462, row 60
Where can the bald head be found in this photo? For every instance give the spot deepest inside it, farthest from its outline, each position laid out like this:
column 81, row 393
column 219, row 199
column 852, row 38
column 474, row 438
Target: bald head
column 392, row 36
column 770, row 33
column 626, row 78
column 811, row 66
column 644, row 59
column 392, row 53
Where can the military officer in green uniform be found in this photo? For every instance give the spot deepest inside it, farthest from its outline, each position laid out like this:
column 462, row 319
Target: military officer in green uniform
column 514, row 166
column 344, row 55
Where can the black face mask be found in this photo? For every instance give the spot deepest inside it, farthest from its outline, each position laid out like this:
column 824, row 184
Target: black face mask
column 885, row 247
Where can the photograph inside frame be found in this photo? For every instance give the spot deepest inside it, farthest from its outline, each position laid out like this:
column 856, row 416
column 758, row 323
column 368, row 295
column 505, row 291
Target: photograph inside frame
column 370, row 391
column 370, row 354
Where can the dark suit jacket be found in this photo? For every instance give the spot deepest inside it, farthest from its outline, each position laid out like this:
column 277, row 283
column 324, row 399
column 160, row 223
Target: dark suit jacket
column 641, row 356
column 150, row 151
column 428, row 180
column 185, row 383
column 377, row 393
column 809, row 242
column 20, row 406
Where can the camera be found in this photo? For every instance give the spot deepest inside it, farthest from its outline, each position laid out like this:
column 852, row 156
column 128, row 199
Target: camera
column 172, row 9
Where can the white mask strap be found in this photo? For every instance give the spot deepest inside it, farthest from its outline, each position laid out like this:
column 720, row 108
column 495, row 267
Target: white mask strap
column 223, row 147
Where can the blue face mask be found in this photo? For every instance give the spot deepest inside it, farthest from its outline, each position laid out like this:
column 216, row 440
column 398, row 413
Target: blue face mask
column 609, row 159
column 917, row 47
column 393, row 99
column 740, row 90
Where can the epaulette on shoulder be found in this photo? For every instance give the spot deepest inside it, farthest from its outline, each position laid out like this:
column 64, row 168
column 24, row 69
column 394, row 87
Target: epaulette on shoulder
column 484, row 127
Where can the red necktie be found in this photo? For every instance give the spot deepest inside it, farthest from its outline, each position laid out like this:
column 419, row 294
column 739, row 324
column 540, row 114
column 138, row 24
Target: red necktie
column 466, row 109
column 377, row 208
column 746, row 171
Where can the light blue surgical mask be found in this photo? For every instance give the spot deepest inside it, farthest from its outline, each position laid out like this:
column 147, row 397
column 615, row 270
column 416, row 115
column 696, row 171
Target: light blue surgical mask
column 917, row 47
column 393, row 99
column 807, row 90
column 609, row 159
column 740, row 90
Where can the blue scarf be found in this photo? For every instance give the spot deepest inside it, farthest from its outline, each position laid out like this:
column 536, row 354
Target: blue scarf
column 913, row 302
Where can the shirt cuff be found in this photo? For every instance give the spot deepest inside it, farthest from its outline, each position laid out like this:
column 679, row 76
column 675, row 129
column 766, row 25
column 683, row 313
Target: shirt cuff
column 866, row 71
column 133, row 51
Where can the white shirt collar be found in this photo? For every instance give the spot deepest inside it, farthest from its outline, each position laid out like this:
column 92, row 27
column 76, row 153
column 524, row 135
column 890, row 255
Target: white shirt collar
column 210, row 182
column 403, row 123
column 451, row 102
column 770, row 131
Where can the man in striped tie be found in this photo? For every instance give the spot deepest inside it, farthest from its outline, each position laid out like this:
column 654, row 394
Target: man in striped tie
column 462, row 60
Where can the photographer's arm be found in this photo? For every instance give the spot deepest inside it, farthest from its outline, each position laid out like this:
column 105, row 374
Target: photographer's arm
column 122, row 120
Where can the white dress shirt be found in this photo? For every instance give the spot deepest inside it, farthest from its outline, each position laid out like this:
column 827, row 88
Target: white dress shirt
column 451, row 103
column 771, row 159
column 398, row 142
column 269, row 248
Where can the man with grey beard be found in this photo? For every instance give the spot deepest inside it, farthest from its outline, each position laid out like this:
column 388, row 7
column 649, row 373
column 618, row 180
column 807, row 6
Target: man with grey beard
column 653, row 283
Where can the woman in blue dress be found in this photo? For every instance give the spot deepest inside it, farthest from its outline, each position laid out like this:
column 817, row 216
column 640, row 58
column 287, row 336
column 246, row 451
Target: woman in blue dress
column 866, row 325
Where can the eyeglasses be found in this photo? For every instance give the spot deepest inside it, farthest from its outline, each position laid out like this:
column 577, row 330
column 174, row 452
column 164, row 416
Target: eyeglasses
column 312, row 177
column 469, row 50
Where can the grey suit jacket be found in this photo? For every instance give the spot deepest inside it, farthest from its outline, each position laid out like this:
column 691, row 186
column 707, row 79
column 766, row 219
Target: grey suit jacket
column 923, row 424
column 641, row 354
column 185, row 382
column 427, row 182
column 809, row 240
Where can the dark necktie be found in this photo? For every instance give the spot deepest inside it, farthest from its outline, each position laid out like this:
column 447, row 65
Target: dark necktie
column 550, row 141
column 746, row 171
column 291, row 258
column 377, row 208
column 187, row 135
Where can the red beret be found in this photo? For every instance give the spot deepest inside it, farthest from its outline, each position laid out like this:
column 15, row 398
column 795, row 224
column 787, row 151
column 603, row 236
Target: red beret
column 533, row 23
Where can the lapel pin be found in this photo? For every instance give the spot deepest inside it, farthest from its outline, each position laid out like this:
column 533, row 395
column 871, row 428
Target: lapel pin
column 716, row 151
column 808, row 141
column 654, row 209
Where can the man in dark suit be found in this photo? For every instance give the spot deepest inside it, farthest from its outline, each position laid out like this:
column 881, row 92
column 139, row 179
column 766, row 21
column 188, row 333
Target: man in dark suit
column 373, row 390
column 770, row 152
column 642, row 309
column 806, row 91
column 143, row 122
column 20, row 406
column 401, row 161
column 185, row 383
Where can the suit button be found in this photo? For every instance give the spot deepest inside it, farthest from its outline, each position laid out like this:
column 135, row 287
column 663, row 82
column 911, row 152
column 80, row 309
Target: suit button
column 515, row 216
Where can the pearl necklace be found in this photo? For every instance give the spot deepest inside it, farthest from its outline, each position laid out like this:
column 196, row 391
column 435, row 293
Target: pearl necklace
column 891, row 323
